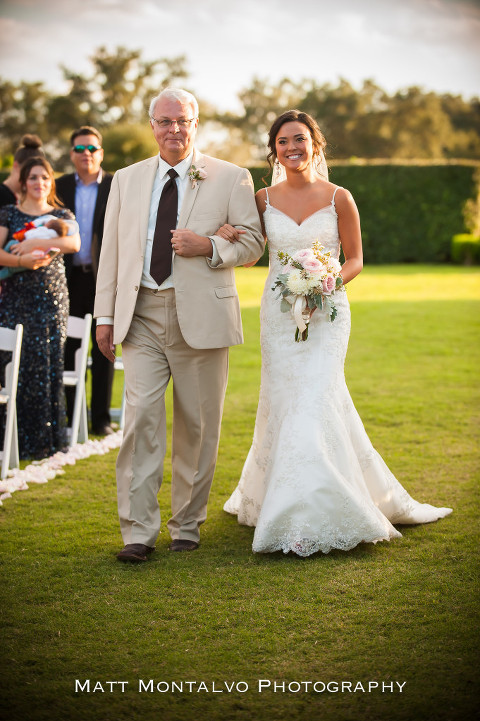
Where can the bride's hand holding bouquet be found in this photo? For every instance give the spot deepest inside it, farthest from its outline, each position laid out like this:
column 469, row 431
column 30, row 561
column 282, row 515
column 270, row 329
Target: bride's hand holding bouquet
column 309, row 281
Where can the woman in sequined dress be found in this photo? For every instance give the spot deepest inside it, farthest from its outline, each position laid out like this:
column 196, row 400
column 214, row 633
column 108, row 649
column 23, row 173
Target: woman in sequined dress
column 38, row 298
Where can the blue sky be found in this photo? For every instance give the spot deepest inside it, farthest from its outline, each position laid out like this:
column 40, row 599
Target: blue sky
column 431, row 43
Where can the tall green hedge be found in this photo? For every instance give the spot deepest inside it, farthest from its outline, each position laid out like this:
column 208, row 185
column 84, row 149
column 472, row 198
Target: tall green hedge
column 408, row 213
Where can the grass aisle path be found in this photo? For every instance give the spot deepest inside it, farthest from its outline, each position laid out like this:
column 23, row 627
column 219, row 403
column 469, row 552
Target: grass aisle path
column 401, row 612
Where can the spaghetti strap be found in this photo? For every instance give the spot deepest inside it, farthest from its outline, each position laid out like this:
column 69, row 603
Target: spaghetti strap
column 334, row 194
column 267, row 202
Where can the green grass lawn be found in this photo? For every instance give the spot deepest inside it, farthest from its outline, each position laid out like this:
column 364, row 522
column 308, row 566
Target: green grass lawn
column 403, row 612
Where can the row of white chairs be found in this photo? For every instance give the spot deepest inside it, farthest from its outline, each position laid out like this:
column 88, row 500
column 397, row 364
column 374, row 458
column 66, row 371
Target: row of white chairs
column 11, row 341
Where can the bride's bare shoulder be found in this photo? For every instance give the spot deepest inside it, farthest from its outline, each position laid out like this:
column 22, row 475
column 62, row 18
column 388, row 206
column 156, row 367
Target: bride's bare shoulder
column 325, row 185
column 342, row 195
column 274, row 191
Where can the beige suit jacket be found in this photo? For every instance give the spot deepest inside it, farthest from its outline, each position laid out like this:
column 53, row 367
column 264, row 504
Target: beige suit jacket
column 207, row 301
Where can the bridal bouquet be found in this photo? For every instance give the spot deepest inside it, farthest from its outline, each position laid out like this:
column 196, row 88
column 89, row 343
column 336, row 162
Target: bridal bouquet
column 310, row 279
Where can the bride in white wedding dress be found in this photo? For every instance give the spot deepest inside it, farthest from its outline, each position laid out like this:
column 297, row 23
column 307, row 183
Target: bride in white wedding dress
column 312, row 480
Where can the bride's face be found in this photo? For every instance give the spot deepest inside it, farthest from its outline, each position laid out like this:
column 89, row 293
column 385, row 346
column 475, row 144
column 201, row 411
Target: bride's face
column 293, row 146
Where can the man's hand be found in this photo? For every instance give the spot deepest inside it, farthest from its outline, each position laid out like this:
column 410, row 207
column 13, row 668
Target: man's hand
column 104, row 337
column 189, row 244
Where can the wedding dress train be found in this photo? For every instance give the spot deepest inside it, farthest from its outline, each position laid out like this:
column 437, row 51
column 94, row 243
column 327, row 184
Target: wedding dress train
column 312, row 480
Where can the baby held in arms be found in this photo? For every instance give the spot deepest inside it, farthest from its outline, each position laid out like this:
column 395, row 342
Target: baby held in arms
column 43, row 228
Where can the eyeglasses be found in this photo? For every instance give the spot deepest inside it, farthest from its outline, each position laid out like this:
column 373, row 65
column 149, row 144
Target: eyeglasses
column 166, row 122
column 82, row 148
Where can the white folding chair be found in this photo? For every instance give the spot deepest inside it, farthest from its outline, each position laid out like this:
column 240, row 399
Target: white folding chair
column 10, row 340
column 79, row 328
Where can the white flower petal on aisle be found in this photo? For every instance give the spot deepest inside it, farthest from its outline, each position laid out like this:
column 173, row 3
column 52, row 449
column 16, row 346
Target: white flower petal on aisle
column 46, row 470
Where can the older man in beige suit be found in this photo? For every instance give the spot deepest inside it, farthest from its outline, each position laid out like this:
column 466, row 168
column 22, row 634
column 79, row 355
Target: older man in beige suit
column 177, row 322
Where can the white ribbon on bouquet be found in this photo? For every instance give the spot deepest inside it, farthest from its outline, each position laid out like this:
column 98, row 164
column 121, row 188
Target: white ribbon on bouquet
column 298, row 310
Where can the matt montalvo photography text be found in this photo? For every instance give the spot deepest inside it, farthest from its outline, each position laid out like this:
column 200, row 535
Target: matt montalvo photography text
column 261, row 686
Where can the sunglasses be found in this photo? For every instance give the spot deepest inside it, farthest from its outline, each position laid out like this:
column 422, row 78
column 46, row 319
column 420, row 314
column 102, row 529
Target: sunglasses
column 82, row 148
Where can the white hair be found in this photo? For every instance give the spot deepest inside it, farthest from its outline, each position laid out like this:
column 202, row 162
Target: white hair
column 177, row 94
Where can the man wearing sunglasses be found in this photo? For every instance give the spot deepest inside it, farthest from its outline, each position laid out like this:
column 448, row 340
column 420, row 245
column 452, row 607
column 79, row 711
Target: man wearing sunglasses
column 85, row 193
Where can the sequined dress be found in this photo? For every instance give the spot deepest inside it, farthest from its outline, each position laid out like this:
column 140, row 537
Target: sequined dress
column 312, row 480
column 39, row 300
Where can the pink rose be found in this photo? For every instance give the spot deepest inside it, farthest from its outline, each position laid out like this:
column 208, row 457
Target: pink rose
column 202, row 173
column 313, row 265
column 328, row 285
column 302, row 255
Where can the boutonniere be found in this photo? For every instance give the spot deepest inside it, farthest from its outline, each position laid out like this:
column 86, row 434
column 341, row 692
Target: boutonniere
column 196, row 174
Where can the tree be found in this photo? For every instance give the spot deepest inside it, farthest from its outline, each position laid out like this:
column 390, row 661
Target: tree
column 23, row 109
column 114, row 95
column 367, row 123
column 123, row 83
column 116, row 92
column 262, row 102
column 126, row 143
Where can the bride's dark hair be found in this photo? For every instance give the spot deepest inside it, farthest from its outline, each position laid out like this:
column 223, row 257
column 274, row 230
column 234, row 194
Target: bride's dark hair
column 318, row 141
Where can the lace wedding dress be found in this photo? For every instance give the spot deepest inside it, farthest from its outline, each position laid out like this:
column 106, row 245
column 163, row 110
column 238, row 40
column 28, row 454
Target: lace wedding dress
column 312, row 480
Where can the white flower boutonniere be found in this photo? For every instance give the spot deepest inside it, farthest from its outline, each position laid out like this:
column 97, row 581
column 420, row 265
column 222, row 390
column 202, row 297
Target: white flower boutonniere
column 196, row 174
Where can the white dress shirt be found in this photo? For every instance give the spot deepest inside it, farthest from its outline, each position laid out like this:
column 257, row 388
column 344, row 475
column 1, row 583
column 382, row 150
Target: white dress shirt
column 161, row 178
column 85, row 201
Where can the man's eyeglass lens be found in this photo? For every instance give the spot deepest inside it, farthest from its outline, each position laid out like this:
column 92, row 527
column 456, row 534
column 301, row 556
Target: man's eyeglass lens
column 82, row 148
column 166, row 122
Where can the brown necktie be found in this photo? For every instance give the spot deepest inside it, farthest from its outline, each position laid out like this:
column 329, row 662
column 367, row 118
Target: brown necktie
column 161, row 261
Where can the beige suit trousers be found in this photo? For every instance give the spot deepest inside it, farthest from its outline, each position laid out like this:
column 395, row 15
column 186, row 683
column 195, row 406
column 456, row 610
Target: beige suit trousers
column 153, row 351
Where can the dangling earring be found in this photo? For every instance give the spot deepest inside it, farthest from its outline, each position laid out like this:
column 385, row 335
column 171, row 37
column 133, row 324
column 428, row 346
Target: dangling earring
column 276, row 168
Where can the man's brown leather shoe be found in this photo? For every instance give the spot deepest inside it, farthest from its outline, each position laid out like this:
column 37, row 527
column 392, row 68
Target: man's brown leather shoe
column 105, row 430
column 183, row 544
column 135, row 552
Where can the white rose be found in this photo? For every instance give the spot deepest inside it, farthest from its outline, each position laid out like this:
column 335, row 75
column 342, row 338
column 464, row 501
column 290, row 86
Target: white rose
column 334, row 266
column 314, row 281
column 296, row 284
